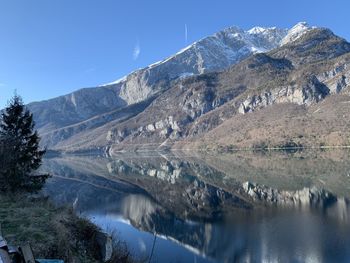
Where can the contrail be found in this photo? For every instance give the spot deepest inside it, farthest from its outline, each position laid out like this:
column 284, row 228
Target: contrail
column 137, row 51
column 186, row 33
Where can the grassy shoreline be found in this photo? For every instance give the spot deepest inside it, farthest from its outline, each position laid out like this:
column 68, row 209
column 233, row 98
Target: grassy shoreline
column 53, row 232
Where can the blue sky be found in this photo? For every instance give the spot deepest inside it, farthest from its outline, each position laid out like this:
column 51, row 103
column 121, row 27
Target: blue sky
column 52, row 47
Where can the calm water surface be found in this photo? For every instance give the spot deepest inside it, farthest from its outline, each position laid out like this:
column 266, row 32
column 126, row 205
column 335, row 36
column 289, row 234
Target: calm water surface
column 194, row 208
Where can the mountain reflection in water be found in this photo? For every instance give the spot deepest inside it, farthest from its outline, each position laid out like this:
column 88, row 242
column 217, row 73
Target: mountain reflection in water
column 243, row 207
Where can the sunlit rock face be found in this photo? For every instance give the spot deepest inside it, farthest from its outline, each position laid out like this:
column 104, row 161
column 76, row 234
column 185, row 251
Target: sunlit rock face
column 199, row 104
column 232, row 72
column 212, row 53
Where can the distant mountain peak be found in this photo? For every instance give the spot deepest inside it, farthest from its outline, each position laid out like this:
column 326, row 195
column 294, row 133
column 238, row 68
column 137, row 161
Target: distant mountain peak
column 296, row 31
column 231, row 29
column 260, row 30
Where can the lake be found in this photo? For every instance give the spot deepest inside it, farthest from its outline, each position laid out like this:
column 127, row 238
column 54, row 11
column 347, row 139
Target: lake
column 190, row 207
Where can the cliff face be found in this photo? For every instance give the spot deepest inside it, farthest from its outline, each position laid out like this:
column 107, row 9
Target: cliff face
column 303, row 73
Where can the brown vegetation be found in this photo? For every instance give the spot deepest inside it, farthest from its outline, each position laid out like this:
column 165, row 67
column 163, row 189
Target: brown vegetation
column 52, row 232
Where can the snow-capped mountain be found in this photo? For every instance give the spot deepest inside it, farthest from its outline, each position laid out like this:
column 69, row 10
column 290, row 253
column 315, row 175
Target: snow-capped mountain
column 295, row 32
column 227, row 47
column 213, row 53
column 99, row 105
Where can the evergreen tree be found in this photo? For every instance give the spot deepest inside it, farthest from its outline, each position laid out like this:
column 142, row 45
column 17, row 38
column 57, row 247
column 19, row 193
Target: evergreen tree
column 20, row 152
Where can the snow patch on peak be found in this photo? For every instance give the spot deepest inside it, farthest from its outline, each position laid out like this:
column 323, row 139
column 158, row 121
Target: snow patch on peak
column 260, row 30
column 295, row 32
column 302, row 24
column 257, row 50
column 298, row 29
column 185, row 75
column 123, row 79
column 257, row 30
column 153, row 65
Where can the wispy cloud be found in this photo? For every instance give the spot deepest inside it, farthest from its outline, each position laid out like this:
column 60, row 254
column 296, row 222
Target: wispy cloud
column 186, row 33
column 2, row 84
column 136, row 52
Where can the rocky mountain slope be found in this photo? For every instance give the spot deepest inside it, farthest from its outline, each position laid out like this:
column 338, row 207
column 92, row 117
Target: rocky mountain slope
column 186, row 100
column 302, row 73
column 62, row 117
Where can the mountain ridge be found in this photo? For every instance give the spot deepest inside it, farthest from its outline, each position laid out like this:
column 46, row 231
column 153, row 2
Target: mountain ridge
column 123, row 79
column 162, row 85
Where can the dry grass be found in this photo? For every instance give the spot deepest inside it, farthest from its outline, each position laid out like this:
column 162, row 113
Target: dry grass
column 52, row 232
column 323, row 124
